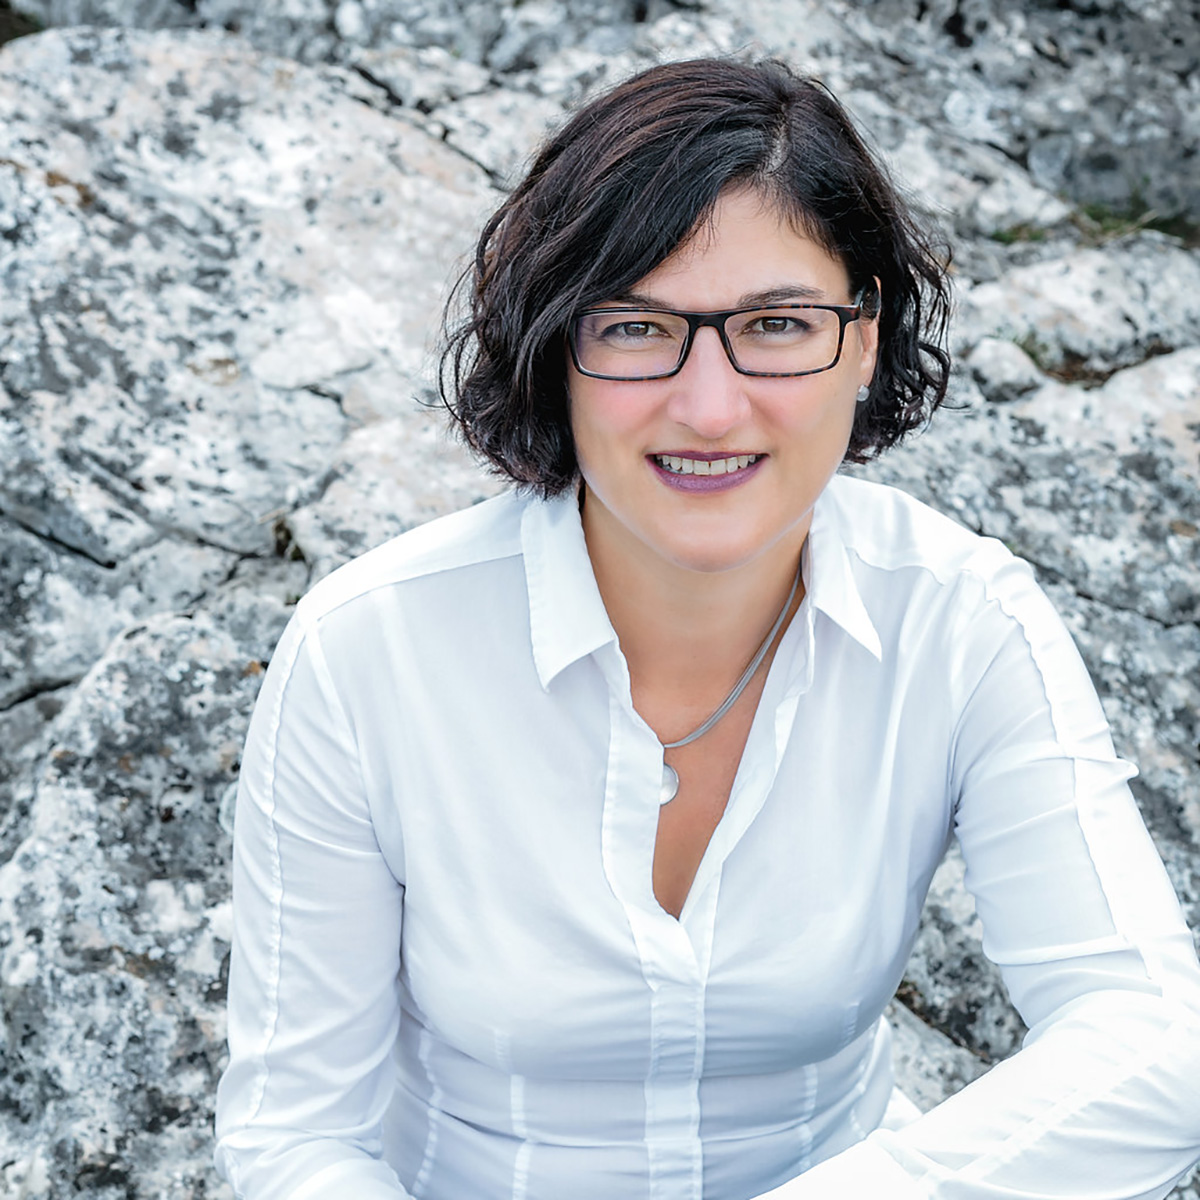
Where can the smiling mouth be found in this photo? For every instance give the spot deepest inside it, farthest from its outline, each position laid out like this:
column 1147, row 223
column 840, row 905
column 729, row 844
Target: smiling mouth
column 678, row 465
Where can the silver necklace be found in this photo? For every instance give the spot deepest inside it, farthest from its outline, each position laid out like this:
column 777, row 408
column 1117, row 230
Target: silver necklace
column 670, row 778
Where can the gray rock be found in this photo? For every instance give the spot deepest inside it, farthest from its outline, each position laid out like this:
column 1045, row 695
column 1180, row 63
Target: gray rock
column 1148, row 677
column 134, row 14
column 1111, row 523
column 1003, row 370
column 949, row 983
column 335, row 30
column 930, row 1066
column 173, row 380
column 953, row 175
column 221, row 272
column 422, row 79
column 59, row 610
column 1157, row 400
column 511, row 35
column 114, row 921
column 1097, row 108
column 25, row 729
column 389, row 476
column 1084, row 315
column 184, row 374
column 1096, row 100
column 499, row 128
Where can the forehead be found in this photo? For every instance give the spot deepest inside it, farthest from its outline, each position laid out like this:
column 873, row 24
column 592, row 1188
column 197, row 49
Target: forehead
column 746, row 246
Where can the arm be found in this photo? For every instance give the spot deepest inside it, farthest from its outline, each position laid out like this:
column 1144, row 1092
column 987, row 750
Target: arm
column 1103, row 1101
column 312, row 991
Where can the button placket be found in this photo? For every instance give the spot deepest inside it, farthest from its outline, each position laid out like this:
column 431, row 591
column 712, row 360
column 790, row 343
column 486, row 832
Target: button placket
column 668, row 962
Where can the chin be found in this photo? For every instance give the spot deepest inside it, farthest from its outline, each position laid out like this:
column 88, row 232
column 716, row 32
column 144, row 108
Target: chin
column 710, row 558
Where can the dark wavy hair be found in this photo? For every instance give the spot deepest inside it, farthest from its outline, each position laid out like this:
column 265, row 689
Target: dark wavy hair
column 623, row 184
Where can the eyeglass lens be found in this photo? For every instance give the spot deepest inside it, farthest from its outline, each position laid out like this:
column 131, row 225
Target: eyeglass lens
column 633, row 344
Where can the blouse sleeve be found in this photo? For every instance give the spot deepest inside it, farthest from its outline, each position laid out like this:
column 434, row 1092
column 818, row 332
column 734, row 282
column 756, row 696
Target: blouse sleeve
column 1103, row 1100
column 313, row 1008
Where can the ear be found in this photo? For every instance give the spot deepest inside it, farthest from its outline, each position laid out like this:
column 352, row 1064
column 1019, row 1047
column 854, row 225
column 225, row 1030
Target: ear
column 868, row 337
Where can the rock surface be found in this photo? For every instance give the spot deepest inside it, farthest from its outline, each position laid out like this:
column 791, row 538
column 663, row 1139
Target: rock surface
column 223, row 249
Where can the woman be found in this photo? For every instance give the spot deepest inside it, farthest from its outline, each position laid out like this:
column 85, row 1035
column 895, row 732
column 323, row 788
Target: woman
column 582, row 836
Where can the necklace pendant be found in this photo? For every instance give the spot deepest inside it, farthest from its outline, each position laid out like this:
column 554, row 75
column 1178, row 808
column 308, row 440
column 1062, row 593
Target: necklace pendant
column 669, row 786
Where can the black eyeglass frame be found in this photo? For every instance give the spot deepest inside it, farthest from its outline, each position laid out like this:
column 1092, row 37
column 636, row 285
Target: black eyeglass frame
column 698, row 320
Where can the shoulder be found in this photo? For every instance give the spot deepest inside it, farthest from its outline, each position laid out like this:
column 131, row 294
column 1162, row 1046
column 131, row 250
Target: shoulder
column 890, row 532
column 475, row 536
column 918, row 570
column 957, row 603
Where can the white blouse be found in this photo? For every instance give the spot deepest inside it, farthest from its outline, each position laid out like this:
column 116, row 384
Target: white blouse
column 451, row 978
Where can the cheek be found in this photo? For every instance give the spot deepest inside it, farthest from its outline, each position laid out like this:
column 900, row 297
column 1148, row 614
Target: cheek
column 597, row 440
column 819, row 414
column 605, row 423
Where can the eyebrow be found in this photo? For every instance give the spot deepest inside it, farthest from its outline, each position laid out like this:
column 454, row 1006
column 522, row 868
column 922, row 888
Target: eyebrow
column 792, row 293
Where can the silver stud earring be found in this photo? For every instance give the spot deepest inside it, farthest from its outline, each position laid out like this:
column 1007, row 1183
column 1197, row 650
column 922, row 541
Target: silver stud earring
column 863, row 393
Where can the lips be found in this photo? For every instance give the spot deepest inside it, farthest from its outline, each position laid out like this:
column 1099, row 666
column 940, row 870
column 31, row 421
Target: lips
column 705, row 472
column 681, row 465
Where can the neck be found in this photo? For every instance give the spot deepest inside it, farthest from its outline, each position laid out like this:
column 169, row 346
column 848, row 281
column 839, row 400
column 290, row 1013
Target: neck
column 685, row 630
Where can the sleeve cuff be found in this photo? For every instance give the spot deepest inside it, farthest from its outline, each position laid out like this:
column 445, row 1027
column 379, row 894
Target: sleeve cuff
column 362, row 1178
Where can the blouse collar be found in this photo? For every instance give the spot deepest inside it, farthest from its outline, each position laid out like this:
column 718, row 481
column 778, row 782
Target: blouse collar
column 829, row 581
column 567, row 617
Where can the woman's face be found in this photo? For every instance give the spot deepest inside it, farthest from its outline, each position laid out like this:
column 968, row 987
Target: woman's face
column 793, row 430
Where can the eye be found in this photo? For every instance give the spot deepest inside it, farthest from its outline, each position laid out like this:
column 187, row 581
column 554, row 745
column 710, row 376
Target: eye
column 631, row 331
column 776, row 325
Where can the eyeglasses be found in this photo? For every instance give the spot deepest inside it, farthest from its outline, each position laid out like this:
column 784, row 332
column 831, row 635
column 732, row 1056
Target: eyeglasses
column 782, row 340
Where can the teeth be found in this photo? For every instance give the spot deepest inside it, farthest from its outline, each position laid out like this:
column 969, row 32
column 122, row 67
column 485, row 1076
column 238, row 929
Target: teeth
column 701, row 466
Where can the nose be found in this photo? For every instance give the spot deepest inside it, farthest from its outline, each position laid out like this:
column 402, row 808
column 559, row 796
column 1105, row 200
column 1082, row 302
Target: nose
column 707, row 394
